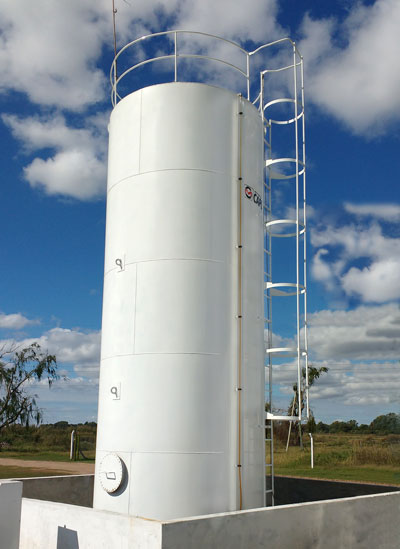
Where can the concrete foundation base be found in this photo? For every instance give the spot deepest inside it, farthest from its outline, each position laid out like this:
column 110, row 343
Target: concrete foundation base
column 10, row 512
column 360, row 522
column 56, row 513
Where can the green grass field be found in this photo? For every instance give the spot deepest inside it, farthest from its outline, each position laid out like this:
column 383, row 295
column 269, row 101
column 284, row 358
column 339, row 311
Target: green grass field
column 45, row 455
column 339, row 456
column 47, row 442
column 7, row 471
column 363, row 458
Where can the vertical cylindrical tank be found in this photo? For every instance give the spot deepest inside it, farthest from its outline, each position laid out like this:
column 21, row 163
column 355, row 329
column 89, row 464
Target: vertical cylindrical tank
column 181, row 398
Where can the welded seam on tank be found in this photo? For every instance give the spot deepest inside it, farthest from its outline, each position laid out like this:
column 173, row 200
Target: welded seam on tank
column 170, row 452
column 240, row 304
column 140, row 133
column 203, row 170
column 134, row 316
column 165, row 259
column 162, row 353
column 129, row 483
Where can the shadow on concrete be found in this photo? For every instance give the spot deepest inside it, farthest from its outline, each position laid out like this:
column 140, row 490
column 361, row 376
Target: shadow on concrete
column 290, row 490
column 67, row 539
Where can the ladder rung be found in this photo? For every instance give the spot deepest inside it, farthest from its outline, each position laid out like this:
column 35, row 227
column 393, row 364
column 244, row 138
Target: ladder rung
column 268, row 439
column 268, row 465
column 268, row 491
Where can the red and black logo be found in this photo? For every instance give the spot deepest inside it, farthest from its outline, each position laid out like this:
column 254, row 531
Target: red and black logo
column 248, row 191
column 252, row 195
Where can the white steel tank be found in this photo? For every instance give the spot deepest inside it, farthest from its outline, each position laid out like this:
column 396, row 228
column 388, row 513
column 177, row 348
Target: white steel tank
column 181, row 399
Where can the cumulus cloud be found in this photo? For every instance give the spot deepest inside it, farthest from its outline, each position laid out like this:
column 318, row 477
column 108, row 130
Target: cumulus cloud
column 364, row 333
column 322, row 270
column 347, row 383
column 76, row 167
column 352, row 67
column 71, row 399
column 71, row 346
column 252, row 20
column 56, row 64
column 48, row 51
column 15, row 321
column 384, row 212
column 75, row 347
column 60, row 65
column 378, row 280
column 359, row 384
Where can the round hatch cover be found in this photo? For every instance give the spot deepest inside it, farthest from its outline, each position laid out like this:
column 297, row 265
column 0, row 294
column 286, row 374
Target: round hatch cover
column 111, row 473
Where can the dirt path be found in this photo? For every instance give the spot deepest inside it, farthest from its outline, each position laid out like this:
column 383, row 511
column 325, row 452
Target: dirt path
column 76, row 467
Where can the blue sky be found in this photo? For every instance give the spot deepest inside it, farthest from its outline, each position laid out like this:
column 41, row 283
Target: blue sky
column 54, row 98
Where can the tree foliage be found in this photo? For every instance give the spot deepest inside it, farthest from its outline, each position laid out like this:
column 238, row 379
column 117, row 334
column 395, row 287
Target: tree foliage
column 389, row 423
column 313, row 374
column 18, row 370
column 293, row 410
column 381, row 425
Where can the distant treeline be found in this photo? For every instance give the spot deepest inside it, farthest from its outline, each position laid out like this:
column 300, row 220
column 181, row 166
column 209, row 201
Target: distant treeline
column 384, row 425
column 57, row 436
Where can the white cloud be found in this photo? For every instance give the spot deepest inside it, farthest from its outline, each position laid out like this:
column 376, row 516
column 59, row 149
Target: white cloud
column 59, row 65
column 316, row 43
column 376, row 282
column 51, row 50
column 359, row 384
column 359, row 82
column 69, row 173
column 76, row 347
column 361, row 349
column 364, row 333
column 384, row 212
column 15, row 321
column 77, row 165
column 321, row 270
column 290, row 212
column 70, row 346
column 357, row 240
column 253, row 20
column 48, row 50
column 72, row 399
column 345, row 384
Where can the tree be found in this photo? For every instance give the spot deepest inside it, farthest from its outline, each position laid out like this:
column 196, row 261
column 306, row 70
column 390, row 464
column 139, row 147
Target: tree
column 293, row 410
column 385, row 424
column 17, row 370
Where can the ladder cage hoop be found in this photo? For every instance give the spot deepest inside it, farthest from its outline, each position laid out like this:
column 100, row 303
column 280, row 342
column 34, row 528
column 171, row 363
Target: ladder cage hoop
column 295, row 227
